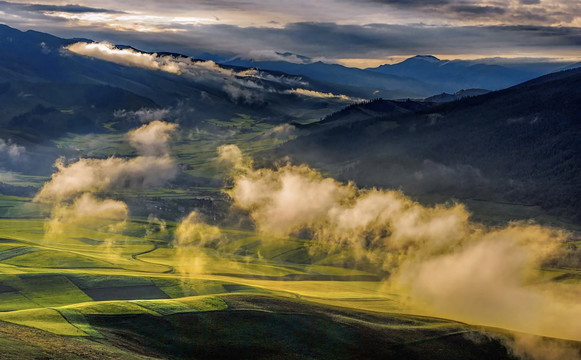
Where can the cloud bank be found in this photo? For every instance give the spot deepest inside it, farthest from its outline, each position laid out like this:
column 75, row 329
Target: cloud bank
column 13, row 151
column 88, row 211
column 249, row 86
column 73, row 189
column 322, row 95
column 191, row 234
column 438, row 261
column 128, row 57
column 152, row 139
column 98, row 175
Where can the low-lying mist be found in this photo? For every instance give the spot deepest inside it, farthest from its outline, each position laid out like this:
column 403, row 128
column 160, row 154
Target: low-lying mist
column 75, row 190
column 248, row 86
column 434, row 258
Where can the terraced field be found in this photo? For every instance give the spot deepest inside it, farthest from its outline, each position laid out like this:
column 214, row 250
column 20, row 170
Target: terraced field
column 93, row 294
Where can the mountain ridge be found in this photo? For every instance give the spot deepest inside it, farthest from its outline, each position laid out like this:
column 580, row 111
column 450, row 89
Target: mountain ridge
column 518, row 145
column 215, row 91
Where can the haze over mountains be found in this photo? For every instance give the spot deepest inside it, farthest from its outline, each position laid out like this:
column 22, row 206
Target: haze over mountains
column 34, row 56
column 214, row 91
column 417, row 77
column 467, row 148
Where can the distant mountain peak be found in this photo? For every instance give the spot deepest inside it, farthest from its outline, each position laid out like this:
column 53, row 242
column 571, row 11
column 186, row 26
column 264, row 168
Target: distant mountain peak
column 429, row 58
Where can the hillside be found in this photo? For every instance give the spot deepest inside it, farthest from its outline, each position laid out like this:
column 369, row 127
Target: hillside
column 164, row 80
column 97, row 294
column 518, row 145
column 445, row 97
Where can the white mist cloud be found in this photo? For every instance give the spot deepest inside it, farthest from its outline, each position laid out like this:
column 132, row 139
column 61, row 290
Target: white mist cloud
column 193, row 231
column 322, row 95
column 271, row 55
column 484, row 282
column 281, row 79
column 152, row 139
column 232, row 155
column 13, row 151
column 235, row 86
column 192, row 234
column 154, row 167
column 284, row 131
column 439, row 261
column 155, row 225
column 528, row 346
column 88, row 211
column 129, row 57
column 97, row 175
column 143, row 115
column 247, row 86
column 72, row 188
column 241, row 94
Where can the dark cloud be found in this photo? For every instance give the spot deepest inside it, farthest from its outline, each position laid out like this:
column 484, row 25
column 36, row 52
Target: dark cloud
column 328, row 39
column 179, row 6
column 527, row 27
column 413, row 3
column 523, row 12
column 353, row 41
column 478, row 10
column 70, row 8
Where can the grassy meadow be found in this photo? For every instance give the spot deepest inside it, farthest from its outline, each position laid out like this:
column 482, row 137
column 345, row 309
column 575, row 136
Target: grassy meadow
column 95, row 294
column 89, row 292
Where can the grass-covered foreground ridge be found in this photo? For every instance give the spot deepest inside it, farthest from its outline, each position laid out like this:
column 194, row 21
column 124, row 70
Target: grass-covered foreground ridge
column 88, row 293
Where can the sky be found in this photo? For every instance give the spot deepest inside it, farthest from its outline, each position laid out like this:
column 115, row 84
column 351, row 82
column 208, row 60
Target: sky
column 358, row 33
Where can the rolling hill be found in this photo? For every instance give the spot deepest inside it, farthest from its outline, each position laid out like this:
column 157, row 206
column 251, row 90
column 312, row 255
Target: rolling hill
column 518, row 145
column 95, row 294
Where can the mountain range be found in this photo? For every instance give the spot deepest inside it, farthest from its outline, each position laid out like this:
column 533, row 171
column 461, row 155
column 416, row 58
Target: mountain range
column 417, row 77
column 34, row 57
column 214, row 91
column 517, row 145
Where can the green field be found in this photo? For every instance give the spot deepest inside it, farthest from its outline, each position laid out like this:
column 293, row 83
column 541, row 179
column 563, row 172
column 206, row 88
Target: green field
column 82, row 289
column 85, row 292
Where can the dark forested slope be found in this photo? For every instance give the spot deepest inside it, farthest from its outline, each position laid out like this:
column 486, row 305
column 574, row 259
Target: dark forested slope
column 521, row 144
